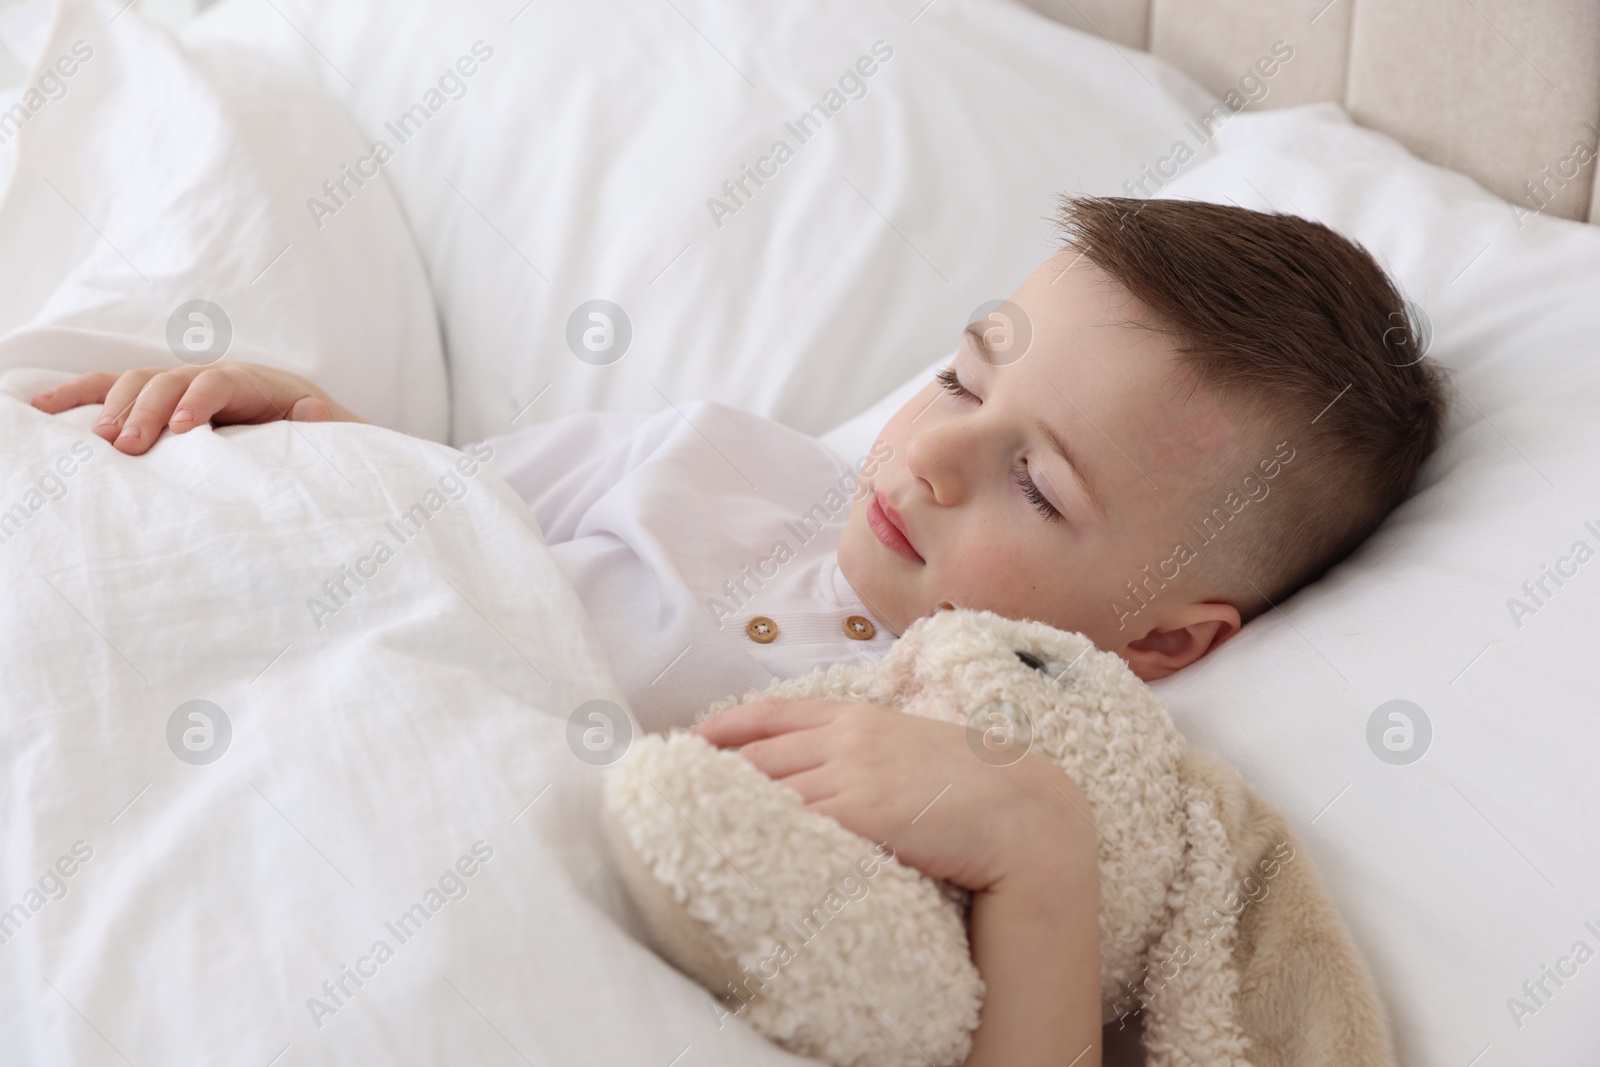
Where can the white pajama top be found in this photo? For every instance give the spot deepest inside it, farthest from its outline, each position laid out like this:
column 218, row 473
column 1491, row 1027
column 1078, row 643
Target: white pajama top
column 703, row 541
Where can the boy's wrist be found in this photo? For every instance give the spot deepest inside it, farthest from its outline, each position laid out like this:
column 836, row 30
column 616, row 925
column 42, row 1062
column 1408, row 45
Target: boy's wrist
column 1036, row 934
column 1052, row 843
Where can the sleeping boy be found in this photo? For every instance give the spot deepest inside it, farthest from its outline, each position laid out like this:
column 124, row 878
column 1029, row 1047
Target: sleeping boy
column 1212, row 407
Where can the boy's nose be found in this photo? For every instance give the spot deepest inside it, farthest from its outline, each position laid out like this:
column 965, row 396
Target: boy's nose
column 942, row 457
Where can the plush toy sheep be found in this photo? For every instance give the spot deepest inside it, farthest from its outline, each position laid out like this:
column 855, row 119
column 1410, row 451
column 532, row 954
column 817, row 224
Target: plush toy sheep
column 1212, row 923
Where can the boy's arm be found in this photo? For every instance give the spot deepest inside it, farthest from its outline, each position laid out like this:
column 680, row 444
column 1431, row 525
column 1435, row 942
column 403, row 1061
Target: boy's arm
column 139, row 404
column 1019, row 836
column 1036, row 941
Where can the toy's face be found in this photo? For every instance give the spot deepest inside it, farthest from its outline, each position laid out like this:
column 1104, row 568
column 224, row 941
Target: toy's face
column 1035, row 487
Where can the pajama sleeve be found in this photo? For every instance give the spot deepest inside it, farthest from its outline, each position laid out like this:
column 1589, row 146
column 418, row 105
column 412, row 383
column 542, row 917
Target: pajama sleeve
column 562, row 467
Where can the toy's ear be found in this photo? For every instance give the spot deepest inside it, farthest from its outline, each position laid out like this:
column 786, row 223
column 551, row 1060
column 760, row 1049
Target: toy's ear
column 1306, row 997
column 1196, row 984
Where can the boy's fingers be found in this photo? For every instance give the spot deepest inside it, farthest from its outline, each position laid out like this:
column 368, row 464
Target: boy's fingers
column 150, row 412
column 309, row 409
column 206, row 395
column 787, row 754
column 119, row 402
column 84, row 389
column 816, row 787
column 765, row 718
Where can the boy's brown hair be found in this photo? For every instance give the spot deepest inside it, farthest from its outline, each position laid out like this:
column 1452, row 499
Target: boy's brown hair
column 1300, row 332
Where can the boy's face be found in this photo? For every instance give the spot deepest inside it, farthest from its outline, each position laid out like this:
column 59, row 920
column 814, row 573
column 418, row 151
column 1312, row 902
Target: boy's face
column 1144, row 449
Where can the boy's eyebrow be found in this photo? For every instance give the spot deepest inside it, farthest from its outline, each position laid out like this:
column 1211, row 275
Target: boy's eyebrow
column 1059, row 446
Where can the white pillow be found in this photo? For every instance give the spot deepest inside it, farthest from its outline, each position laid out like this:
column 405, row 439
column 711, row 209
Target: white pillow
column 147, row 176
column 1466, row 872
column 578, row 160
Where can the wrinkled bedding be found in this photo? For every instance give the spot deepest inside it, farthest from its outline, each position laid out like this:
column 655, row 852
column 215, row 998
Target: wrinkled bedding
column 377, row 842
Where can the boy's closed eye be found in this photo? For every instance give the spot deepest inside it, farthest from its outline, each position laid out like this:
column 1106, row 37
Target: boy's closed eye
column 1030, row 475
column 1020, row 472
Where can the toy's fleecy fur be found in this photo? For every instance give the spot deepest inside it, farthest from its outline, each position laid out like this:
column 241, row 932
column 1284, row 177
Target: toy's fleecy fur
column 1211, row 918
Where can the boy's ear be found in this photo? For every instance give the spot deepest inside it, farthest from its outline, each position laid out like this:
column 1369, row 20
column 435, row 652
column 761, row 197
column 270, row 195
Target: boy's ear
column 1179, row 638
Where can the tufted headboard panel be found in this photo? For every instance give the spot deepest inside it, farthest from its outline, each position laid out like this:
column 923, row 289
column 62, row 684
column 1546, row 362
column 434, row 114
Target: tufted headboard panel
column 1505, row 91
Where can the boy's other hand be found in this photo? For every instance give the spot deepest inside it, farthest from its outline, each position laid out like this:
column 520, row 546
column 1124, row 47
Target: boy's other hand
column 140, row 403
column 1019, row 836
column 916, row 784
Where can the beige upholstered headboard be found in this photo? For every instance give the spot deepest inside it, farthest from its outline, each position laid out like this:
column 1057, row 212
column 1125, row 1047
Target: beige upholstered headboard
column 1505, row 91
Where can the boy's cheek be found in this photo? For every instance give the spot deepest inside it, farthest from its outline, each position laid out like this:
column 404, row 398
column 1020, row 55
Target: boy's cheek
column 877, row 457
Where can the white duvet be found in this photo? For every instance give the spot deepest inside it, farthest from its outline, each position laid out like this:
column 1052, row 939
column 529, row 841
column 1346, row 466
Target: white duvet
column 373, row 842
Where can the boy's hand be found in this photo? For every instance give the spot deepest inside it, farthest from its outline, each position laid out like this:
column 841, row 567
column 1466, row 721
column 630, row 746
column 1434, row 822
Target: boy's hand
column 917, row 784
column 139, row 403
column 1018, row 836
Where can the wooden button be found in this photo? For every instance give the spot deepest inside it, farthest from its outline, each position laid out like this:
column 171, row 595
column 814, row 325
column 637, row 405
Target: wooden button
column 762, row 630
column 859, row 627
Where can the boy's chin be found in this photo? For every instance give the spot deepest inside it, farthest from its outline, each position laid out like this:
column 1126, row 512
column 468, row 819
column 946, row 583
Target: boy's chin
column 875, row 587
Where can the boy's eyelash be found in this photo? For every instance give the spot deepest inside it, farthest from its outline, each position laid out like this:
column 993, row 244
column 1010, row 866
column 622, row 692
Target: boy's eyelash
column 952, row 384
column 1031, row 491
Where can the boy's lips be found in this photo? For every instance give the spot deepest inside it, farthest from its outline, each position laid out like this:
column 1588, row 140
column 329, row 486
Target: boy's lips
column 890, row 528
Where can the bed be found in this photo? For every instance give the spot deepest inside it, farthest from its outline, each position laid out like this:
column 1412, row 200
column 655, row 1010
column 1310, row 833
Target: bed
column 217, row 798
